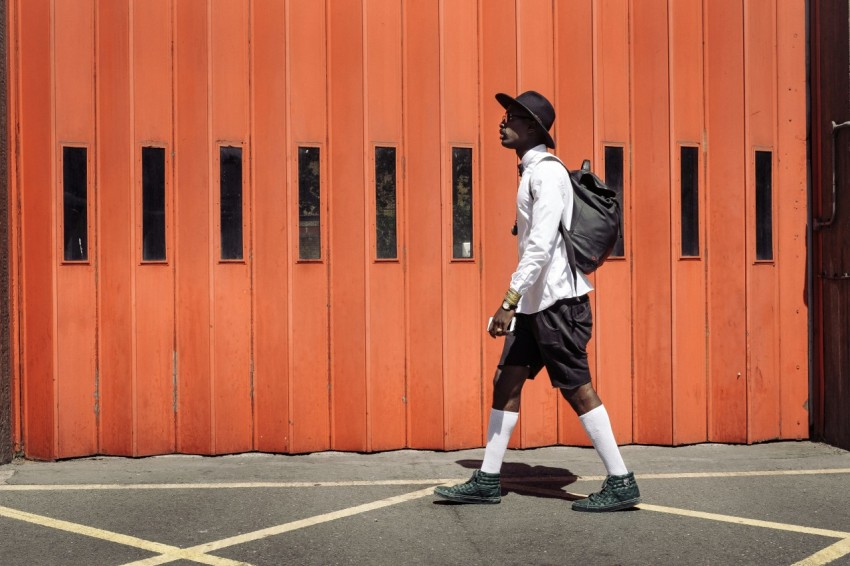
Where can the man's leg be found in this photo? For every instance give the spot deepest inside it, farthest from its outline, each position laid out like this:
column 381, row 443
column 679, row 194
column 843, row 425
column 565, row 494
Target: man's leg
column 594, row 418
column 507, row 392
column 485, row 485
column 620, row 490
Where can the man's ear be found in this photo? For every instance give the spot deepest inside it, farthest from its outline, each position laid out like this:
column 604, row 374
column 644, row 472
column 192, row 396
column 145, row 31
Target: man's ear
column 534, row 132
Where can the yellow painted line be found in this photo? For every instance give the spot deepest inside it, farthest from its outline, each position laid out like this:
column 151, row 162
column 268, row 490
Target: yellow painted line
column 749, row 474
column 223, row 485
column 291, row 526
column 839, row 547
column 709, row 475
column 827, row 555
column 745, row 521
column 431, row 481
column 173, row 552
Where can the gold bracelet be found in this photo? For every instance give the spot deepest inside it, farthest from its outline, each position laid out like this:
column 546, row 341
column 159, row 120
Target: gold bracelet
column 512, row 297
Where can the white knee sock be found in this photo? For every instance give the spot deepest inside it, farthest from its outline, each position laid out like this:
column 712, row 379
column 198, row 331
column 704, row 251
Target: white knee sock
column 499, row 431
column 597, row 425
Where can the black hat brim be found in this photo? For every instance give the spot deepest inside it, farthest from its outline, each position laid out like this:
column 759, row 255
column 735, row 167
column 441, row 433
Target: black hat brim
column 507, row 101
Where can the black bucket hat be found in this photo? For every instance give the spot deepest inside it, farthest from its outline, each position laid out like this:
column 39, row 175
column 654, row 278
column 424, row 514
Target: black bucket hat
column 537, row 106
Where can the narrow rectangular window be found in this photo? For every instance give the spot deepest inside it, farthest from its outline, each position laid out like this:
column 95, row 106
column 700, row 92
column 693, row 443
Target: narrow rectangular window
column 689, row 192
column 309, row 204
column 764, row 205
column 462, row 202
column 75, row 203
column 614, row 180
column 385, row 203
column 230, row 179
column 153, row 204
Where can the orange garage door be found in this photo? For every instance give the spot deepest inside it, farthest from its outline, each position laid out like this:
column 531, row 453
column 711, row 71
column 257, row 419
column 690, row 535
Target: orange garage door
column 280, row 225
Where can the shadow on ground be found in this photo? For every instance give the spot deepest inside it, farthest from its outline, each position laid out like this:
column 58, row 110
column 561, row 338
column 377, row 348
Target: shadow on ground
column 535, row 481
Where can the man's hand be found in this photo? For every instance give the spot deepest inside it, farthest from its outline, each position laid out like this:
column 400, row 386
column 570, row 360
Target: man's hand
column 501, row 320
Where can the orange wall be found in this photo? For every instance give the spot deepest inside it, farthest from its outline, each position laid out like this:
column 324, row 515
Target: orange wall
column 350, row 352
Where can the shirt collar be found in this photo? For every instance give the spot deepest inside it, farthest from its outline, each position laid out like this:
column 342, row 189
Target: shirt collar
column 532, row 154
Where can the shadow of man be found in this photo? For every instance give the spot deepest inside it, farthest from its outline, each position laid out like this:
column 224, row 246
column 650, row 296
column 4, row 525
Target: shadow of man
column 535, row 481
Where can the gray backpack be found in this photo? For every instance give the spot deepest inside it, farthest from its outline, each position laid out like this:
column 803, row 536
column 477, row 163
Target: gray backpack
column 595, row 225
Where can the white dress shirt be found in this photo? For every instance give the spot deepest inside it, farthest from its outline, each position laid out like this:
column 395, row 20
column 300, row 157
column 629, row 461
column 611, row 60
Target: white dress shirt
column 543, row 275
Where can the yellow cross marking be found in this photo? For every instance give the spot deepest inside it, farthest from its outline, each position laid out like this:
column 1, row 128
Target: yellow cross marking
column 827, row 555
column 173, row 552
column 200, row 553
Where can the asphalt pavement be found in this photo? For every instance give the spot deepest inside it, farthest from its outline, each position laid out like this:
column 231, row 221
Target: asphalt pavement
column 775, row 503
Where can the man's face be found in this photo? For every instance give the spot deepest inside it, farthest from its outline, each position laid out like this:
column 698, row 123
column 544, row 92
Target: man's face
column 516, row 128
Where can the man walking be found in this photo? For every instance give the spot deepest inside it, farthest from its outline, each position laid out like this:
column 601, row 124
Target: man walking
column 553, row 318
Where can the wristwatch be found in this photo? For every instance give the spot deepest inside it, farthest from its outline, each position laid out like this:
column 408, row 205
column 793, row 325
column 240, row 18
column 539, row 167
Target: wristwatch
column 507, row 306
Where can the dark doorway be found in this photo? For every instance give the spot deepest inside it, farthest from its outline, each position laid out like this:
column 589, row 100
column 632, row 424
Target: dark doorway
column 829, row 63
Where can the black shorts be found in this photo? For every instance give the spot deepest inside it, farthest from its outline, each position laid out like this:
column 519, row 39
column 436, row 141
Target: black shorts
column 557, row 338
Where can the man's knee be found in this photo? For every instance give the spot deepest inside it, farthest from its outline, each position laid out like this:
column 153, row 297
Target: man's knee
column 507, row 387
column 509, row 378
column 582, row 398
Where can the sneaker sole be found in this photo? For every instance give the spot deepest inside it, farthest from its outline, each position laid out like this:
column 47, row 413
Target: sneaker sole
column 618, row 507
column 465, row 499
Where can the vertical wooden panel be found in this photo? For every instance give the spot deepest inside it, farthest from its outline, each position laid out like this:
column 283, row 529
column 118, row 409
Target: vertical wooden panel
column 497, row 196
column 348, row 235
column 574, row 105
column 424, row 330
column 154, row 290
column 651, row 294
column 116, row 253
column 762, row 292
column 386, row 386
column 231, row 279
column 14, row 226
column 612, row 324
column 689, row 318
column 38, row 227
column 309, row 411
column 791, row 235
column 269, row 167
column 820, row 89
column 462, row 316
column 73, row 60
column 192, row 221
column 726, row 277
column 535, row 71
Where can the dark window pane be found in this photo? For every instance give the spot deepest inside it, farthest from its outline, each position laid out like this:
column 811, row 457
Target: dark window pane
column 230, row 171
column 461, row 202
column 309, row 204
column 153, row 203
column 690, row 201
column 75, row 203
column 764, row 205
column 614, row 180
column 385, row 203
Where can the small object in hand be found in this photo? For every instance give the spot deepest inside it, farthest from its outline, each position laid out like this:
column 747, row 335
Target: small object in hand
column 511, row 326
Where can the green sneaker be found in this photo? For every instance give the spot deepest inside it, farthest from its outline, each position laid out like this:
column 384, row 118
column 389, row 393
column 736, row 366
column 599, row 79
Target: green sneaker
column 618, row 492
column 481, row 488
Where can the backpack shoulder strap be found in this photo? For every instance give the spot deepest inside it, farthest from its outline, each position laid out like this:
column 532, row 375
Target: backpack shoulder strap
column 568, row 243
column 553, row 157
column 550, row 157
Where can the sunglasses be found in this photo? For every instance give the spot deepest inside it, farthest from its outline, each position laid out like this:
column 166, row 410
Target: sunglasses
column 515, row 116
